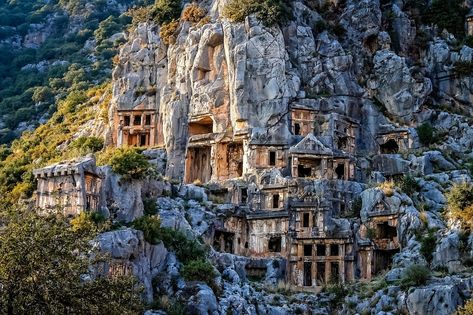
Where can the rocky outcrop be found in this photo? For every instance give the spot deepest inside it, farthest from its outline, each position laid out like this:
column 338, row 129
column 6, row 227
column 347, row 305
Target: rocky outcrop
column 395, row 87
column 128, row 248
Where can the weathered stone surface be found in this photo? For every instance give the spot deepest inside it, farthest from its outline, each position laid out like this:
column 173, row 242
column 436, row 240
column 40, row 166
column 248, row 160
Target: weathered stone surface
column 395, row 87
column 121, row 197
column 447, row 253
column 128, row 246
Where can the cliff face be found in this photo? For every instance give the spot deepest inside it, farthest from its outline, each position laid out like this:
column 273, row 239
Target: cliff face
column 320, row 113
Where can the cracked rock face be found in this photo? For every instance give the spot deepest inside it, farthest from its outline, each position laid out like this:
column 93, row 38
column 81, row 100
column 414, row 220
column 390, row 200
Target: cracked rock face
column 396, row 88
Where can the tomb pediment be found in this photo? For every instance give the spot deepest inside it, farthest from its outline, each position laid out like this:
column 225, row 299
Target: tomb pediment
column 310, row 145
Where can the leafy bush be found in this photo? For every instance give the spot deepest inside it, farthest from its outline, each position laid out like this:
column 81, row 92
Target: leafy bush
column 409, row 185
column 165, row 11
column 460, row 203
column 150, row 206
column 270, row 12
column 427, row 245
column 129, row 163
column 87, row 222
column 469, row 41
column 356, row 206
column 150, row 225
column 425, row 133
column 337, row 288
column 168, row 32
column 463, row 68
column 87, row 145
column 414, row 276
column 199, row 270
column 447, row 14
column 193, row 13
column 186, row 249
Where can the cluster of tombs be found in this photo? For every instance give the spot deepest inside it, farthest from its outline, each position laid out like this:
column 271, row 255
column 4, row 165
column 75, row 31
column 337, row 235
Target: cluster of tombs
column 291, row 196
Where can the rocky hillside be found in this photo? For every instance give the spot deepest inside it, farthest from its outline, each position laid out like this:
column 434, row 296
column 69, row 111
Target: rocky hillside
column 49, row 48
column 399, row 70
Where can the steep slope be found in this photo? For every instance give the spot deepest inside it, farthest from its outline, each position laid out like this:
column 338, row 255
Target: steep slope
column 50, row 48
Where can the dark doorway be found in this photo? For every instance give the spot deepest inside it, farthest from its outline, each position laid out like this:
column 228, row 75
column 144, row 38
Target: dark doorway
column 340, row 171
column 320, row 273
column 384, row 230
column 308, row 250
column 334, row 250
column 274, row 244
column 334, row 271
column 303, row 171
column 223, row 241
column 297, row 129
column 305, row 220
column 126, row 120
column 272, row 158
column 383, row 260
column 275, row 201
column 307, row 274
column 320, row 250
column 244, row 195
column 390, row 147
column 143, row 140
column 342, row 143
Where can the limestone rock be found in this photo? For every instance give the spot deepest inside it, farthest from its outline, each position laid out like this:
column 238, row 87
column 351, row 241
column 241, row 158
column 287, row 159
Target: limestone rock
column 395, row 87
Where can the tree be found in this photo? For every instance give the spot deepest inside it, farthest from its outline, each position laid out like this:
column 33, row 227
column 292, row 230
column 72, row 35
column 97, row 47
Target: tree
column 44, row 266
column 460, row 203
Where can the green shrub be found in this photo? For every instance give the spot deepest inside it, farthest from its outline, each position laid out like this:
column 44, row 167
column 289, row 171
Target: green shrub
column 87, row 144
column 409, row 185
column 150, row 206
column 165, row 11
column 356, row 206
column 87, row 222
column 199, row 270
column 428, row 244
column 336, row 287
column 463, row 68
column 425, row 133
column 129, row 163
column 469, row 41
column 186, row 249
column 447, row 14
column 270, row 12
column 150, row 225
column 460, row 203
column 414, row 276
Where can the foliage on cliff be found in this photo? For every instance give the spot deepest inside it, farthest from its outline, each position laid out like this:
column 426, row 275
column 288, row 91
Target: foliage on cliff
column 48, row 142
column 44, row 266
column 460, row 204
column 270, row 12
column 50, row 49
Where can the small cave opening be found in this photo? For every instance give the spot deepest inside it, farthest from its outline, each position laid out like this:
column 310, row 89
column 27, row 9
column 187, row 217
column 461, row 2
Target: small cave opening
column 389, row 147
column 274, row 244
column 340, row 171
